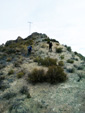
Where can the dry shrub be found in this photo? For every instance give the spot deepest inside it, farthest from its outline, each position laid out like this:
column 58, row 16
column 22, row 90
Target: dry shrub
column 70, row 70
column 20, row 74
column 18, row 62
column 36, row 76
column 70, row 61
column 62, row 56
column 59, row 50
column 11, row 72
column 46, row 61
column 55, row 74
column 38, row 59
column 25, row 90
column 43, row 46
column 60, row 63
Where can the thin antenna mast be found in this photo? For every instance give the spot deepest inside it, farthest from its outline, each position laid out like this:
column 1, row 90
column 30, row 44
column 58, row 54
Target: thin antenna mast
column 30, row 27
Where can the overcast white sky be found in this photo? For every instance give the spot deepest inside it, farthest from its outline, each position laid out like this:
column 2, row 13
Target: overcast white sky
column 63, row 20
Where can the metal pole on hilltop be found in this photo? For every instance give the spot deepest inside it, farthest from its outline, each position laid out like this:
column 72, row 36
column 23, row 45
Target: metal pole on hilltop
column 30, row 27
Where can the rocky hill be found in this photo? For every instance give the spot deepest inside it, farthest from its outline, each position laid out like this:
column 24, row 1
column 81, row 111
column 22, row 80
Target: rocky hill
column 44, row 81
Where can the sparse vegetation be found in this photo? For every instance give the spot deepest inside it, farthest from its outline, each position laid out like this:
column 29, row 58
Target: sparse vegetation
column 71, row 70
column 81, row 76
column 76, row 59
column 2, row 86
column 46, row 61
column 62, row 57
column 43, row 46
column 25, row 90
column 80, row 56
column 17, row 47
column 68, row 48
column 20, row 74
column 53, row 40
column 59, row 50
column 9, row 95
column 18, row 62
column 61, row 63
column 10, row 50
column 48, row 40
column 11, row 72
column 42, row 76
column 70, row 61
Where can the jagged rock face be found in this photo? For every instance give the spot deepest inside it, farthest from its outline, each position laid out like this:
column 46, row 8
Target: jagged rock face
column 36, row 35
column 19, row 39
column 10, row 42
column 67, row 97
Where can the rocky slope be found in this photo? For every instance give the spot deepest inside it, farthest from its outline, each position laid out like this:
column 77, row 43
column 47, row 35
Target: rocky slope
column 18, row 95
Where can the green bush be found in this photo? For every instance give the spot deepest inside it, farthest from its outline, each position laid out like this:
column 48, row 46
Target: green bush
column 62, row 56
column 28, row 42
column 20, row 74
column 48, row 40
column 46, row 61
column 36, row 76
column 55, row 74
column 69, row 48
column 59, row 50
column 53, row 40
column 11, row 72
column 2, row 49
column 80, row 56
column 70, row 61
column 60, row 63
column 25, row 90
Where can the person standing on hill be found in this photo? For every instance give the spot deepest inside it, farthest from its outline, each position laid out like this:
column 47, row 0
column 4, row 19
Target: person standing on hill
column 29, row 49
column 50, row 46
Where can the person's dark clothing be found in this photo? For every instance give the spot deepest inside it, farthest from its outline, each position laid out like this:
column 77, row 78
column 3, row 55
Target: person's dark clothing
column 50, row 46
column 29, row 49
